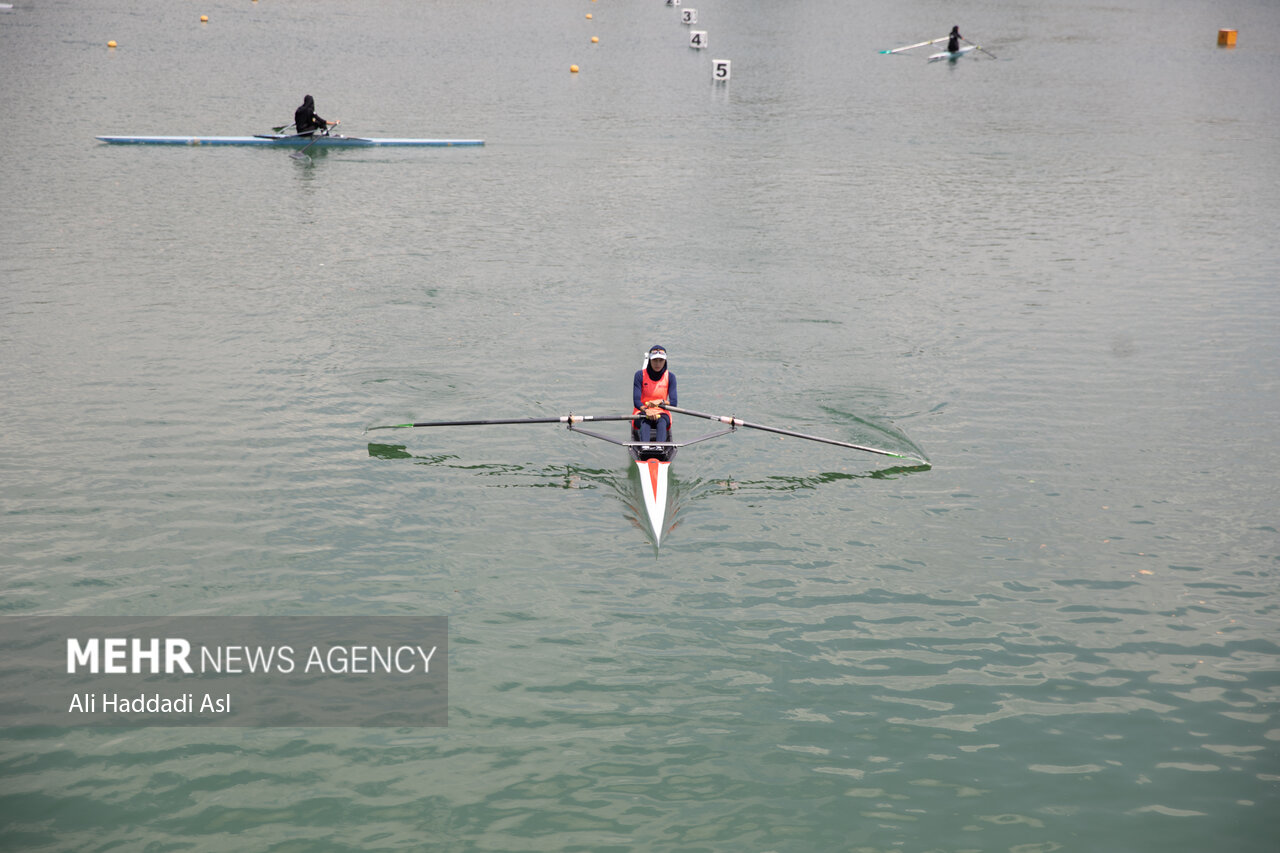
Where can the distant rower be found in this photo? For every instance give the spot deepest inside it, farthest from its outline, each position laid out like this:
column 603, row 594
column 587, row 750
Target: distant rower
column 653, row 385
column 953, row 40
column 305, row 119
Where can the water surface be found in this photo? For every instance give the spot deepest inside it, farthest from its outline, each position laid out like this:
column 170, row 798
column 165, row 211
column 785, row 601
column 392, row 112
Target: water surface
column 1052, row 272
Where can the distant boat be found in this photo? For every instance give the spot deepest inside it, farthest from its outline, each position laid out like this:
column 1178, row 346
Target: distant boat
column 946, row 54
column 292, row 140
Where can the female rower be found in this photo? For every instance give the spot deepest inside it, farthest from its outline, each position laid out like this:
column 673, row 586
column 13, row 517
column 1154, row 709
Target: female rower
column 654, row 385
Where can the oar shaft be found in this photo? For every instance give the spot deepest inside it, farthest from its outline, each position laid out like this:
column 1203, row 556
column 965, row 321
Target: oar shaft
column 981, row 48
column 911, row 46
column 736, row 422
column 563, row 419
column 301, row 153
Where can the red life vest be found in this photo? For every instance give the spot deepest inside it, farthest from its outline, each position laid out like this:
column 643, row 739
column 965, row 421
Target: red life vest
column 653, row 392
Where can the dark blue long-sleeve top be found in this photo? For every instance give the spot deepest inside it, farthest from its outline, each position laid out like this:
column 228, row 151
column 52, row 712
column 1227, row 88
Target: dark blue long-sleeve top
column 638, row 385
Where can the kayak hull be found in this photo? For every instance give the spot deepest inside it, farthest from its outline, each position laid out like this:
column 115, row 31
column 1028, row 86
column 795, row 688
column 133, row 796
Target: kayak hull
column 292, row 141
column 952, row 55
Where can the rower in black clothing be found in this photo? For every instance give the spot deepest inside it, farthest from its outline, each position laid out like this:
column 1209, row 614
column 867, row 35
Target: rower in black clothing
column 305, row 119
column 953, row 40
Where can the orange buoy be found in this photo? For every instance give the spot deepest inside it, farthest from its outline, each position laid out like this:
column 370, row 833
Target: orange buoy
column 573, row 69
column 1226, row 38
column 111, row 44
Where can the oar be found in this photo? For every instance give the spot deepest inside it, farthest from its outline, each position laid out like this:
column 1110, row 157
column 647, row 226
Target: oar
column 301, row 153
column 282, row 128
column 740, row 423
column 918, row 44
column 981, row 48
column 563, row 419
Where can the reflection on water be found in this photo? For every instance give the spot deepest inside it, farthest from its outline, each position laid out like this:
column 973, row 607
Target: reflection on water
column 792, row 483
column 516, row 475
column 624, row 487
column 681, row 494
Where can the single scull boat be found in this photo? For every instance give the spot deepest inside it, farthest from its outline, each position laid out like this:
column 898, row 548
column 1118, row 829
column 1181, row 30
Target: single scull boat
column 953, row 55
column 292, row 140
column 652, row 460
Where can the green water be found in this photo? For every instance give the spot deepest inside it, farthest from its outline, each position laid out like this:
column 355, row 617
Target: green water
column 1053, row 273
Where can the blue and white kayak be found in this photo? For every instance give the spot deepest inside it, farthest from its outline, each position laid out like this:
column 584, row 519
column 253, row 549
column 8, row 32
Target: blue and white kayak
column 292, row 140
column 953, row 55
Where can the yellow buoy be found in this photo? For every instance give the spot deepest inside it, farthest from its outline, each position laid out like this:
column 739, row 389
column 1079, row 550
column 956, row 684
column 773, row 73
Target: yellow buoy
column 111, row 44
column 588, row 16
column 204, row 19
column 595, row 40
column 1226, row 38
column 573, row 69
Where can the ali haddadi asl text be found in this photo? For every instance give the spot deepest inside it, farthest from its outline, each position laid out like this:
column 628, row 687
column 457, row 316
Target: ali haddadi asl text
column 114, row 703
